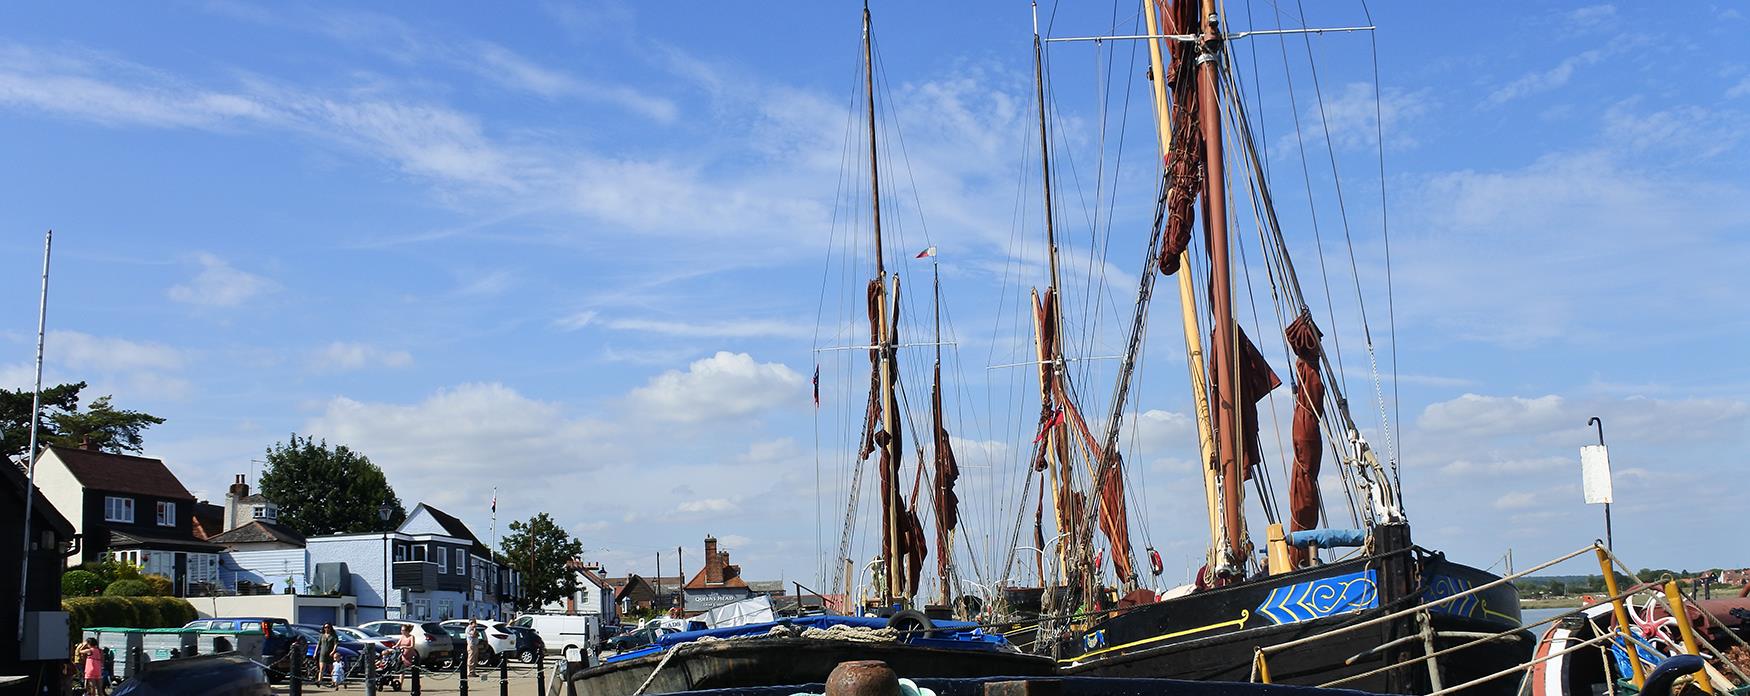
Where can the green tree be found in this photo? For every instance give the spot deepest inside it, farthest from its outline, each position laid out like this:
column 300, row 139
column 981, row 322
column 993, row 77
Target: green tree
column 101, row 425
column 539, row 549
column 328, row 490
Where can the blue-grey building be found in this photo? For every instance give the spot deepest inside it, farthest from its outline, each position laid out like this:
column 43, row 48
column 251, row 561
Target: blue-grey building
column 431, row 567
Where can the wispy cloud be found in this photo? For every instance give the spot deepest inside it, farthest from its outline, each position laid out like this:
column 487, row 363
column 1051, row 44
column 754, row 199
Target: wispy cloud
column 1546, row 80
column 82, row 351
column 513, row 71
column 218, row 284
column 342, row 356
column 730, row 328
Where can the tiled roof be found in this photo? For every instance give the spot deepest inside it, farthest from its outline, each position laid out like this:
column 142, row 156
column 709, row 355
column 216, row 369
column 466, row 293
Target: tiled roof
column 126, row 539
column 258, row 531
column 121, row 473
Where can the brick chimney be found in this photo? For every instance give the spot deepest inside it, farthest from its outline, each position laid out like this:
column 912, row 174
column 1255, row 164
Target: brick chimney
column 714, row 562
column 233, row 496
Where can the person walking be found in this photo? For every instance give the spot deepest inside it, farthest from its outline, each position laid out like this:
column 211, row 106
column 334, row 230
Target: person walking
column 91, row 658
column 473, row 636
column 405, row 645
column 327, row 645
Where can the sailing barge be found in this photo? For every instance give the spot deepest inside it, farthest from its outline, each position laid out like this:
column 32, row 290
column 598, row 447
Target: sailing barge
column 1238, row 605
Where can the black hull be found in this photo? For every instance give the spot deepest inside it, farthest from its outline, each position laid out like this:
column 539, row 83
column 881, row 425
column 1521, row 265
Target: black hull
column 777, row 661
column 1214, row 635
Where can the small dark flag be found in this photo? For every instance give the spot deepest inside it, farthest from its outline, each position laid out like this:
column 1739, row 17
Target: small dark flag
column 817, row 386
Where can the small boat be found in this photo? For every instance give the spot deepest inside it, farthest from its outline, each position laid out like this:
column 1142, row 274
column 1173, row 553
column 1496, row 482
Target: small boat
column 1570, row 668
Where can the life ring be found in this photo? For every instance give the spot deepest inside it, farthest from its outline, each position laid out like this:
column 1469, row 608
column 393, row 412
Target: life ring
column 1154, row 561
column 913, row 623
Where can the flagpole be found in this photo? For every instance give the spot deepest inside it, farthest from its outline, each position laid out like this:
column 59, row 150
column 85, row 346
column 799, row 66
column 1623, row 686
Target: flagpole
column 36, row 405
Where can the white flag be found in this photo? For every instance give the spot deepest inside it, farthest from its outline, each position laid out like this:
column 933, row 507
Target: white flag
column 1595, row 473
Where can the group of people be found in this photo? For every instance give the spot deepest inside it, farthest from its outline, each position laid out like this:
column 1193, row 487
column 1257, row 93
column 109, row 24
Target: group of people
column 90, row 658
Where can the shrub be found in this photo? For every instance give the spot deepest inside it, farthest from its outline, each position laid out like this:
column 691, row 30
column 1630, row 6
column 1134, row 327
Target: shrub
column 81, row 583
column 128, row 588
column 161, row 586
column 125, row 612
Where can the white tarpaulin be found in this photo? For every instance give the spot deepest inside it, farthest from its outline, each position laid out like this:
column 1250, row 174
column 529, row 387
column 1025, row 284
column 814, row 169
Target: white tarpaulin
column 1595, row 473
column 747, row 611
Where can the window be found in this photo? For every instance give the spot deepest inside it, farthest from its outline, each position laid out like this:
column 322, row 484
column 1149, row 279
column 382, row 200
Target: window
column 118, row 509
column 421, row 610
column 418, row 552
column 443, row 559
column 444, row 609
column 462, row 562
column 166, row 514
column 400, row 552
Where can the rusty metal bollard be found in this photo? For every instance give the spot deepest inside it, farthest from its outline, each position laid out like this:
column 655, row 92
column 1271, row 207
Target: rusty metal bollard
column 862, row 678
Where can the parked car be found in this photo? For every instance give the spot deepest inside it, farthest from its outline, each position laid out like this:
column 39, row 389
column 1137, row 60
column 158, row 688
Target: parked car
column 497, row 640
column 361, row 635
column 279, row 634
column 637, row 638
column 429, row 639
column 560, row 632
column 528, row 643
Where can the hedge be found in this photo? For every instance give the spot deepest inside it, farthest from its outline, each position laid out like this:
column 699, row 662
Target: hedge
column 81, row 583
column 129, row 588
column 125, row 612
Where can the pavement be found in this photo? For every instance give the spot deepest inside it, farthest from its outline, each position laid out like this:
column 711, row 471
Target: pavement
column 521, row 683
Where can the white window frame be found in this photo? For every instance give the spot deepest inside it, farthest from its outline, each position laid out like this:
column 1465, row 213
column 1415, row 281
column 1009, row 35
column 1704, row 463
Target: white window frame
column 462, row 562
column 421, row 609
column 166, row 514
column 400, row 552
column 443, row 560
column 118, row 508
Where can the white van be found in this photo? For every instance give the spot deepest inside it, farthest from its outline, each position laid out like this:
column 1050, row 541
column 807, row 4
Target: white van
column 561, row 632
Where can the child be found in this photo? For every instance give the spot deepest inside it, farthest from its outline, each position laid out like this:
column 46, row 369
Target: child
column 339, row 667
column 91, row 659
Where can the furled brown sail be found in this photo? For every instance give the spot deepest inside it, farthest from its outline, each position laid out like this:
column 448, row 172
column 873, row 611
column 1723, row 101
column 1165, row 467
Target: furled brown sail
column 1185, row 162
column 1255, row 382
column 947, row 472
column 1309, row 406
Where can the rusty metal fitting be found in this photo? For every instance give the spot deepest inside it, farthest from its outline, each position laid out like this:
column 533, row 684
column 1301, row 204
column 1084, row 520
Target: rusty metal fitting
column 862, row 678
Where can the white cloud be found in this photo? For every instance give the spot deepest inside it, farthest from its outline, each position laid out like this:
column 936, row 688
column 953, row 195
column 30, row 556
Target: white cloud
column 477, row 431
column 1517, row 500
column 1474, row 413
column 341, row 355
column 707, row 505
column 1353, row 117
column 218, row 284
column 1155, row 432
column 1742, row 89
column 725, row 385
column 1591, row 16
column 85, row 352
column 1547, row 80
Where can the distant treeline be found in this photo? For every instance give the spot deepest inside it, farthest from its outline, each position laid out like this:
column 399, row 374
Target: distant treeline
column 1587, row 584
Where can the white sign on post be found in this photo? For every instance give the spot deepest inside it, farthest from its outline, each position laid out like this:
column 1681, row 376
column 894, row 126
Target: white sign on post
column 1595, row 474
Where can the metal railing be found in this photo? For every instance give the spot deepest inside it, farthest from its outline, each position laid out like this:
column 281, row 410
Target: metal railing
column 1675, row 603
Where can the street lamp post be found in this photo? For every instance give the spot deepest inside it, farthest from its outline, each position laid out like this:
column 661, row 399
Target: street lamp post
column 383, row 513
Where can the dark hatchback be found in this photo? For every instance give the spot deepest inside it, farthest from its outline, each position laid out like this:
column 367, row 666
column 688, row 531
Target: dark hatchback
column 529, row 646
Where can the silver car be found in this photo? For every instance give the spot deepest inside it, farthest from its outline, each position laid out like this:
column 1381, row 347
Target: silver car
column 429, row 640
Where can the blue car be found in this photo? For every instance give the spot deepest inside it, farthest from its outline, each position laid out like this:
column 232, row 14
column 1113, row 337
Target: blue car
column 350, row 650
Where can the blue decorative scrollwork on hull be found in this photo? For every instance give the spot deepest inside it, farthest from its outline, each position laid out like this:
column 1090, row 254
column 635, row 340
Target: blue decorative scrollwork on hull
column 1322, row 597
column 1445, row 586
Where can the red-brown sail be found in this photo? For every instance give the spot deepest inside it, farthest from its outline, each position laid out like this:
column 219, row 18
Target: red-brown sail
column 947, row 472
column 1309, row 406
column 1256, row 380
column 1185, row 162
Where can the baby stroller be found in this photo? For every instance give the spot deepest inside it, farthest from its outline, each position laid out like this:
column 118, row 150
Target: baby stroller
column 392, row 668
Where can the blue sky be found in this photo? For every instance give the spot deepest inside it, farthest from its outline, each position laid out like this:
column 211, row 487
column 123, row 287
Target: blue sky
column 576, row 251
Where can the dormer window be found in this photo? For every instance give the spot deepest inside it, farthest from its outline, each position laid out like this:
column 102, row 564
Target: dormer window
column 266, row 512
column 166, row 514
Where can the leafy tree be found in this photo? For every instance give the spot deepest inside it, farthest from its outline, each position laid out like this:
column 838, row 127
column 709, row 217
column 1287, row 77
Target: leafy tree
column 1558, row 588
column 539, row 549
column 328, row 490
column 104, row 426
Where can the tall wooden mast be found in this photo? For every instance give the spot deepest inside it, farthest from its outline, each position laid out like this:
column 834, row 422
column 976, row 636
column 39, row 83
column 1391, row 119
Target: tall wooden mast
column 1187, row 300
column 891, row 504
column 1231, row 446
column 1051, row 361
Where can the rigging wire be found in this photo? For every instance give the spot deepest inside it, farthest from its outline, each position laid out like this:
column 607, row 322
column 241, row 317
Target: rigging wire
column 1385, row 235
